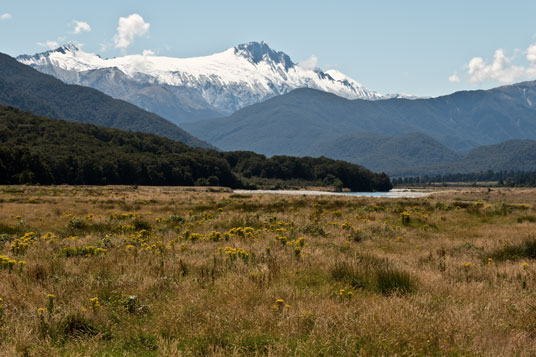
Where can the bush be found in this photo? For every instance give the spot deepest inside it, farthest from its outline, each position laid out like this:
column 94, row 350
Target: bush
column 140, row 224
column 176, row 219
column 76, row 223
column 313, row 229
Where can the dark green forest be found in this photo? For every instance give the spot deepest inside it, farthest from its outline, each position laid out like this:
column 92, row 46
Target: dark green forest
column 502, row 178
column 38, row 150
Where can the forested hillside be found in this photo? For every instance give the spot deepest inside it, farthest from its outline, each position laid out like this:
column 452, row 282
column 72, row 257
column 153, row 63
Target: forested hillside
column 35, row 149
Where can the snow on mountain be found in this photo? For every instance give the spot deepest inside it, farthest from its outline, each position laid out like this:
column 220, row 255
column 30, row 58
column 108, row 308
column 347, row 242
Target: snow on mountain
column 220, row 83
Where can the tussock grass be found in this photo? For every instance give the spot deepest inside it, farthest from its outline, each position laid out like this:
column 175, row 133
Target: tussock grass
column 525, row 249
column 376, row 275
column 393, row 281
column 181, row 271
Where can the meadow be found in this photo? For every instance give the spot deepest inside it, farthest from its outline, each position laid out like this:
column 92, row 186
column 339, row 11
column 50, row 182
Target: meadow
column 147, row 271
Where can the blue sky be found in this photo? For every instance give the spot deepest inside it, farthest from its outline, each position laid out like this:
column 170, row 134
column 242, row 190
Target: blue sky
column 410, row 47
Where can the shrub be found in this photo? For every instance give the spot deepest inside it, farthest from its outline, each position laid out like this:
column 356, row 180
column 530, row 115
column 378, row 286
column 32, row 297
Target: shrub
column 140, row 224
column 405, row 218
column 176, row 219
column 76, row 223
column 314, row 230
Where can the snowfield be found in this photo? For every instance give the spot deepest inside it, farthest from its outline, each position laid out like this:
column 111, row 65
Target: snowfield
column 227, row 81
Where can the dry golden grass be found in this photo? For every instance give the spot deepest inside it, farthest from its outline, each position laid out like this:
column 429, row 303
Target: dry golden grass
column 141, row 271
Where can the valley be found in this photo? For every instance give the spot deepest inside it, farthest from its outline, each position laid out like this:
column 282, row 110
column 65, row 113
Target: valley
column 267, row 178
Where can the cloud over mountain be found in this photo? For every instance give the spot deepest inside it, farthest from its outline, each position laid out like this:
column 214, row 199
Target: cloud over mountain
column 501, row 68
column 128, row 28
column 48, row 44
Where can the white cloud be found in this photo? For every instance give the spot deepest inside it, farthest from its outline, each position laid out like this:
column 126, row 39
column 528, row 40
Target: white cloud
column 6, row 16
column 531, row 57
column 501, row 68
column 454, row 78
column 309, row 64
column 148, row 53
column 80, row 26
column 531, row 54
column 49, row 44
column 128, row 28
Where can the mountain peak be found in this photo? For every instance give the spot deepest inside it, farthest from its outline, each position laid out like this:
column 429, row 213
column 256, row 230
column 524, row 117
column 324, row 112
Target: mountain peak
column 225, row 82
column 257, row 52
column 64, row 49
column 69, row 47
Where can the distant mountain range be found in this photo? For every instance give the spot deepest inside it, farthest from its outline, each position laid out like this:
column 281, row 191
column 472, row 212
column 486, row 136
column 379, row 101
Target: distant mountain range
column 190, row 89
column 312, row 122
column 30, row 90
column 407, row 154
column 253, row 98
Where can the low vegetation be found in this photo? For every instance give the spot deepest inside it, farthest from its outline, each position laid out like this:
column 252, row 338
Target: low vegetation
column 90, row 270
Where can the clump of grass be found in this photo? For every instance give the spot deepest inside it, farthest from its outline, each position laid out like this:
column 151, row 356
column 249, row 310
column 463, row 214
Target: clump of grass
column 10, row 229
column 531, row 219
column 350, row 273
column 368, row 272
column 356, row 235
column 77, row 326
column 524, row 250
column 140, row 224
column 390, row 281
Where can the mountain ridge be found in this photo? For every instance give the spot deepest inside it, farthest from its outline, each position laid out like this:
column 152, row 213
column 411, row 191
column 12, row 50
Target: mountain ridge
column 304, row 117
column 212, row 86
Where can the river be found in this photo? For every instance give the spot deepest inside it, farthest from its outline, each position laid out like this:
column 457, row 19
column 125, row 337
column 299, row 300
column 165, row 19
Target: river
column 395, row 193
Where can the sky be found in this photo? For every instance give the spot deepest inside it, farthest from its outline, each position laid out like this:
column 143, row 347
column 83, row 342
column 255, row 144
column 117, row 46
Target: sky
column 424, row 48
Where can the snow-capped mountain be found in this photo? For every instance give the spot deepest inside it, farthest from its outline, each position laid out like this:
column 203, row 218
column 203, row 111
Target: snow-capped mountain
column 189, row 89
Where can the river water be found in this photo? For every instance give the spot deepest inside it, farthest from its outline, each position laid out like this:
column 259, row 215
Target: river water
column 395, row 193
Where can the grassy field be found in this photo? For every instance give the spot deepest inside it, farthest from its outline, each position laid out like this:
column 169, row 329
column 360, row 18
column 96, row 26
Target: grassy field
column 175, row 271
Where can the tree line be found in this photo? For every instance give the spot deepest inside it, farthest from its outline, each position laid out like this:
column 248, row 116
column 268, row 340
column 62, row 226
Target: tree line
column 503, row 178
column 38, row 150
